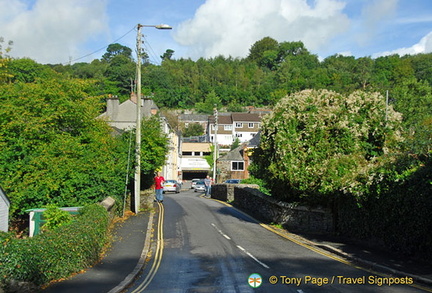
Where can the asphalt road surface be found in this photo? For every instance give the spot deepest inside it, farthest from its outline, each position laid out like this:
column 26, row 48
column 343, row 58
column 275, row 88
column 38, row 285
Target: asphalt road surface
column 202, row 245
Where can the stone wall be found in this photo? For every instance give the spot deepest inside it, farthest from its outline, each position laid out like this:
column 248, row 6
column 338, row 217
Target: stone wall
column 266, row 209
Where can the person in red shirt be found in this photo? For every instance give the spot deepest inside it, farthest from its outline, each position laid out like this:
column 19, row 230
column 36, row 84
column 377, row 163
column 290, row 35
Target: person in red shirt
column 158, row 182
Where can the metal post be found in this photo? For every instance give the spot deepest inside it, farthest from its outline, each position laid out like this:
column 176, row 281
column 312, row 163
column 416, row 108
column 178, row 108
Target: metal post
column 137, row 198
column 215, row 148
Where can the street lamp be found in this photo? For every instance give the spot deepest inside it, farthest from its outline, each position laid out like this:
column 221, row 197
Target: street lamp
column 138, row 115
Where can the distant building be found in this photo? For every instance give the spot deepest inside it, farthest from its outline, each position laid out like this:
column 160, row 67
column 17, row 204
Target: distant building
column 235, row 163
column 193, row 162
column 4, row 211
column 232, row 126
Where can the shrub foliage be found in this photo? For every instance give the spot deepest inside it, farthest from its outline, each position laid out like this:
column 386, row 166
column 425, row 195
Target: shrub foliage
column 55, row 254
column 318, row 143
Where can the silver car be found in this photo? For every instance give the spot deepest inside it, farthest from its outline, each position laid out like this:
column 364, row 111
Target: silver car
column 193, row 182
column 171, row 186
column 199, row 186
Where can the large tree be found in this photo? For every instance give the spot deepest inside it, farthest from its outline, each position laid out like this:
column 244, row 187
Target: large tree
column 53, row 150
column 318, row 143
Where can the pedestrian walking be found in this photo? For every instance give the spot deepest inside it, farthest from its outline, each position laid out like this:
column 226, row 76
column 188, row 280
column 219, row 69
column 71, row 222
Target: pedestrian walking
column 158, row 183
column 207, row 183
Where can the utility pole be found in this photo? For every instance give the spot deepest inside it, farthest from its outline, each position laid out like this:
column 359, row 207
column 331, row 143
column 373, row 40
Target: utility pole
column 137, row 197
column 137, row 185
column 215, row 148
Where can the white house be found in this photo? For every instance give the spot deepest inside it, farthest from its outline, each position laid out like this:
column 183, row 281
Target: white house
column 232, row 126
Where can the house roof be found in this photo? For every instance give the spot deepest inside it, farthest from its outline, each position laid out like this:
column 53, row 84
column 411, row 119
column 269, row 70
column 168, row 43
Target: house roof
column 196, row 146
column 255, row 141
column 233, row 155
column 222, row 119
column 249, row 117
column 193, row 117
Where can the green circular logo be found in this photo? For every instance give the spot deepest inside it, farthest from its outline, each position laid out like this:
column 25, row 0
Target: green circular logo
column 255, row 280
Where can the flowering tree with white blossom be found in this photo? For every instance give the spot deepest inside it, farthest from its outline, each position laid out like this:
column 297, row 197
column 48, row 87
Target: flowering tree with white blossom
column 318, row 143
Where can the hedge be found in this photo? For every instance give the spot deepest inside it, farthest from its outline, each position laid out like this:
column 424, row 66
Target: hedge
column 55, row 254
column 398, row 219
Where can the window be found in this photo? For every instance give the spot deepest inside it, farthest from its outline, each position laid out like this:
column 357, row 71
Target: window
column 227, row 127
column 238, row 125
column 251, row 125
column 187, row 153
column 237, row 166
column 239, row 135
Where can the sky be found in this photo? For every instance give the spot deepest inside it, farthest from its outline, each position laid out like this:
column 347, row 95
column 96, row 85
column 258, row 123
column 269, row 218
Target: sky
column 70, row 31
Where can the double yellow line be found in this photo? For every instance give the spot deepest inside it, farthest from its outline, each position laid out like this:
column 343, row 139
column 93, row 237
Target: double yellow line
column 158, row 254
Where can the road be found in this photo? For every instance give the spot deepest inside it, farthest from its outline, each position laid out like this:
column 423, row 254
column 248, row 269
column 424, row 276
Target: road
column 202, row 245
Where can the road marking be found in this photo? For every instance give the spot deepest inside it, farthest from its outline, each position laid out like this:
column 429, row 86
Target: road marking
column 241, row 248
column 158, row 255
column 220, row 232
column 253, row 257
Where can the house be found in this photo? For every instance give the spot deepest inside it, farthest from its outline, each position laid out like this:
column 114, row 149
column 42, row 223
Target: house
column 123, row 117
column 246, row 125
column 235, row 163
column 232, row 126
column 4, row 211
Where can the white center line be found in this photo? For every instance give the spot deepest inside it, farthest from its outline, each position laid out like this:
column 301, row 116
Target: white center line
column 241, row 248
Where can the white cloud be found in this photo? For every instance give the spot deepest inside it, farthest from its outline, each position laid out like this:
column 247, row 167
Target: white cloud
column 49, row 31
column 423, row 46
column 231, row 27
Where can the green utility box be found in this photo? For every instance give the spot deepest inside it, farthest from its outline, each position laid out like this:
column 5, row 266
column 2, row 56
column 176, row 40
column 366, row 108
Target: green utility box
column 37, row 220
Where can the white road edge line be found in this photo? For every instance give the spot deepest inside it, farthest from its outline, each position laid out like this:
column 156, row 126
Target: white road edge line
column 241, row 248
column 253, row 257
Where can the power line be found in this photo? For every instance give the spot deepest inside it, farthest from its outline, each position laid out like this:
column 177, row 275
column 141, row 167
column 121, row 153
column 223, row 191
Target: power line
column 151, row 51
column 103, row 48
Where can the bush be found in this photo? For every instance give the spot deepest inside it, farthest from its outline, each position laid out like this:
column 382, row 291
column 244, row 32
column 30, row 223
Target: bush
column 55, row 254
column 259, row 182
column 317, row 143
column 55, row 217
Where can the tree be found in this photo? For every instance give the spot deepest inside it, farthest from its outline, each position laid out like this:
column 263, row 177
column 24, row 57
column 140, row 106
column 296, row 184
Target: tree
column 54, row 151
column 167, row 55
column 116, row 49
column 121, row 71
column 154, row 145
column 207, row 107
column 193, row 129
column 318, row 143
column 264, row 52
column 4, row 60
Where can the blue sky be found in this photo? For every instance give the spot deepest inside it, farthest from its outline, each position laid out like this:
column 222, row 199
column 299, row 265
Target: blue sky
column 60, row 31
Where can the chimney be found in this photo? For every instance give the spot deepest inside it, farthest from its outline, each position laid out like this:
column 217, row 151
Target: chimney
column 112, row 107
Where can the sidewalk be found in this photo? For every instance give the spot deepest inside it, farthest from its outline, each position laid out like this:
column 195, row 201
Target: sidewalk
column 123, row 260
column 374, row 259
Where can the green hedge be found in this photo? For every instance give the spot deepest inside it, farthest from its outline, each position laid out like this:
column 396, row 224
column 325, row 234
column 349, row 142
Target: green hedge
column 399, row 218
column 55, row 254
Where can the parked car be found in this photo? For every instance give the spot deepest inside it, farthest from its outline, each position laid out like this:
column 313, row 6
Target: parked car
column 193, row 182
column 172, row 186
column 233, row 181
column 199, row 186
